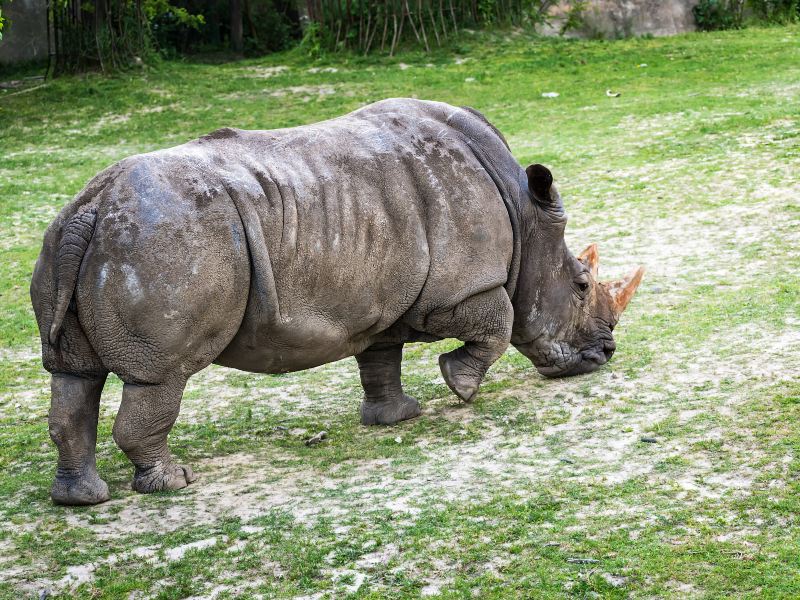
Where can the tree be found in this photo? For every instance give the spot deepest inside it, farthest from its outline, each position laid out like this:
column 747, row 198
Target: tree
column 237, row 43
column 107, row 34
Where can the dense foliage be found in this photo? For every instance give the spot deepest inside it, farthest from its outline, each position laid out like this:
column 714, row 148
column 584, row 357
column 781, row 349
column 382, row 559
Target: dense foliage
column 365, row 26
column 713, row 15
column 2, row 19
column 113, row 34
column 777, row 11
column 108, row 34
column 266, row 26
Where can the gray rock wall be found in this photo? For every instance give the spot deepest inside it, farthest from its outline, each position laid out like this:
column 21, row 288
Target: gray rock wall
column 625, row 18
column 25, row 31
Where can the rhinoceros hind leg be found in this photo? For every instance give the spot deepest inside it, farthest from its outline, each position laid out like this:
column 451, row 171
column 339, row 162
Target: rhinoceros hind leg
column 145, row 418
column 73, row 427
column 384, row 402
column 483, row 322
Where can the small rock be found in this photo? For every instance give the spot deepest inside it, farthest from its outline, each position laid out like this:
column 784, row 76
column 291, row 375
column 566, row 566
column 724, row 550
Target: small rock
column 569, row 461
column 648, row 439
column 316, row 439
column 550, row 94
column 398, row 439
column 616, row 581
column 657, row 289
column 469, row 79
column 611, row 94
column 44, row 594
column 583, row 561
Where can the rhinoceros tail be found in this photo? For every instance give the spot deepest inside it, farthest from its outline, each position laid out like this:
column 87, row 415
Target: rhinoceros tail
column 75, row 239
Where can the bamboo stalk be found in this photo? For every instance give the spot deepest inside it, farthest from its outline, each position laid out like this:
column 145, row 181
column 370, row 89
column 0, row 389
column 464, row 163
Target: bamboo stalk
column 453, row 14
column 360, row 26
column 372, row 36
column 385, row 23
column 422, row 25
column 433, row 24
column 411, row 20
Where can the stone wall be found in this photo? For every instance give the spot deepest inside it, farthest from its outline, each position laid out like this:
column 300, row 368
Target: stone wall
column 25, row 31
column 625, row 18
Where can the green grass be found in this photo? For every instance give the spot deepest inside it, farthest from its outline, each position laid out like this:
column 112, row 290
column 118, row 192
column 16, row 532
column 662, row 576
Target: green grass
column 538, row 489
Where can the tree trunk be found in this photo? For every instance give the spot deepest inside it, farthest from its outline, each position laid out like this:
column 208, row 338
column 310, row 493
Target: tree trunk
column 237, row 43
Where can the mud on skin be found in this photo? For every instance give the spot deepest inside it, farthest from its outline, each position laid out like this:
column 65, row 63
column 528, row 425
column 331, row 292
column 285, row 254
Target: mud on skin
column 277, row 251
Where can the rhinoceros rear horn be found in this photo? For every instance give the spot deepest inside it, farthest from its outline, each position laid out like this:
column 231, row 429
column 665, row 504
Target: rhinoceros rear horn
column 622, row 290
column 591, row 258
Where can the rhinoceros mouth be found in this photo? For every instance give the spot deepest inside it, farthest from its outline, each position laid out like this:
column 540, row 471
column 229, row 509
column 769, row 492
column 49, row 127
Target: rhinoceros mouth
column 561, row 360
column 551, row 359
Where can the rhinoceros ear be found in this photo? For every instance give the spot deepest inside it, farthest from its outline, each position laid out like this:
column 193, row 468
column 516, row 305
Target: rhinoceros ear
column 539, row 181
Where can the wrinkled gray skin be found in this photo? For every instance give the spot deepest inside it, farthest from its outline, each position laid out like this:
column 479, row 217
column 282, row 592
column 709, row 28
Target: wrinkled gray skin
column 276, row 251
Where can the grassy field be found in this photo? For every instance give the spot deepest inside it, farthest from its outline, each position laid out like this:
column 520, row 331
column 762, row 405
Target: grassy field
column 539, row 489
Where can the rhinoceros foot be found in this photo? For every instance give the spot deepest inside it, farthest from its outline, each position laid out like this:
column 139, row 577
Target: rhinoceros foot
column 162, row 477
column 389, row 412
column 459, row 375
column 79, row 489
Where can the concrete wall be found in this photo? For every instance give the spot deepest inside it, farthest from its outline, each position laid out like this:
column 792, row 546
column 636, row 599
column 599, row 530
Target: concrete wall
column 625, row 18
column 25, row 31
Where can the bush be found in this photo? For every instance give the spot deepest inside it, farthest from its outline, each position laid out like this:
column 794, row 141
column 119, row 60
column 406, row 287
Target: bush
column 728, row 14
column 267, row 26
column 777, row 11
column 711, row 15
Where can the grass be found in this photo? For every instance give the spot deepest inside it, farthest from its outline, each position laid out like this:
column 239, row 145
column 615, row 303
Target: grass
column 539, row 489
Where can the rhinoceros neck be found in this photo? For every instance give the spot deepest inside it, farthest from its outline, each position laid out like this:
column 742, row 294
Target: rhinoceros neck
column 539, row 253
column 507, row 176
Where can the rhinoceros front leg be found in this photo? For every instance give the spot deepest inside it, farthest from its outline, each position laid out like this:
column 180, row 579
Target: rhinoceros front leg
column 73, row 416
column 483, row 322
column 384, row 402
column 144, row 420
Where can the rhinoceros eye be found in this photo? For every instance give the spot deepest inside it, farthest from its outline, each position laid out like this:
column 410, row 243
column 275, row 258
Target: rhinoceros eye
column 582, row 284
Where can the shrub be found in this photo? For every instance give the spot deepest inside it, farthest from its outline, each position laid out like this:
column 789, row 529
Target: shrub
column 777, row 11
column 711, row 15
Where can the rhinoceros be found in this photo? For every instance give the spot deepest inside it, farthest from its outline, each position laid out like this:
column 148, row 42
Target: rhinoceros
column 277, row 251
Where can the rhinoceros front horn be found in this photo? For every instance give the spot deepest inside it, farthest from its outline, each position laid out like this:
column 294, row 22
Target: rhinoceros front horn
column 622, row 290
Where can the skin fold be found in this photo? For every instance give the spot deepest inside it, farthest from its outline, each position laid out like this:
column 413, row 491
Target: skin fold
column 277, row 251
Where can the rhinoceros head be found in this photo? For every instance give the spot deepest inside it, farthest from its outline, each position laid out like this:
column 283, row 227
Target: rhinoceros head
column 563, row 316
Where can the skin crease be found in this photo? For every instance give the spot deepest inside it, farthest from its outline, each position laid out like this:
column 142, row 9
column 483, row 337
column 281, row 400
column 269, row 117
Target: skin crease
column 276, row 251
